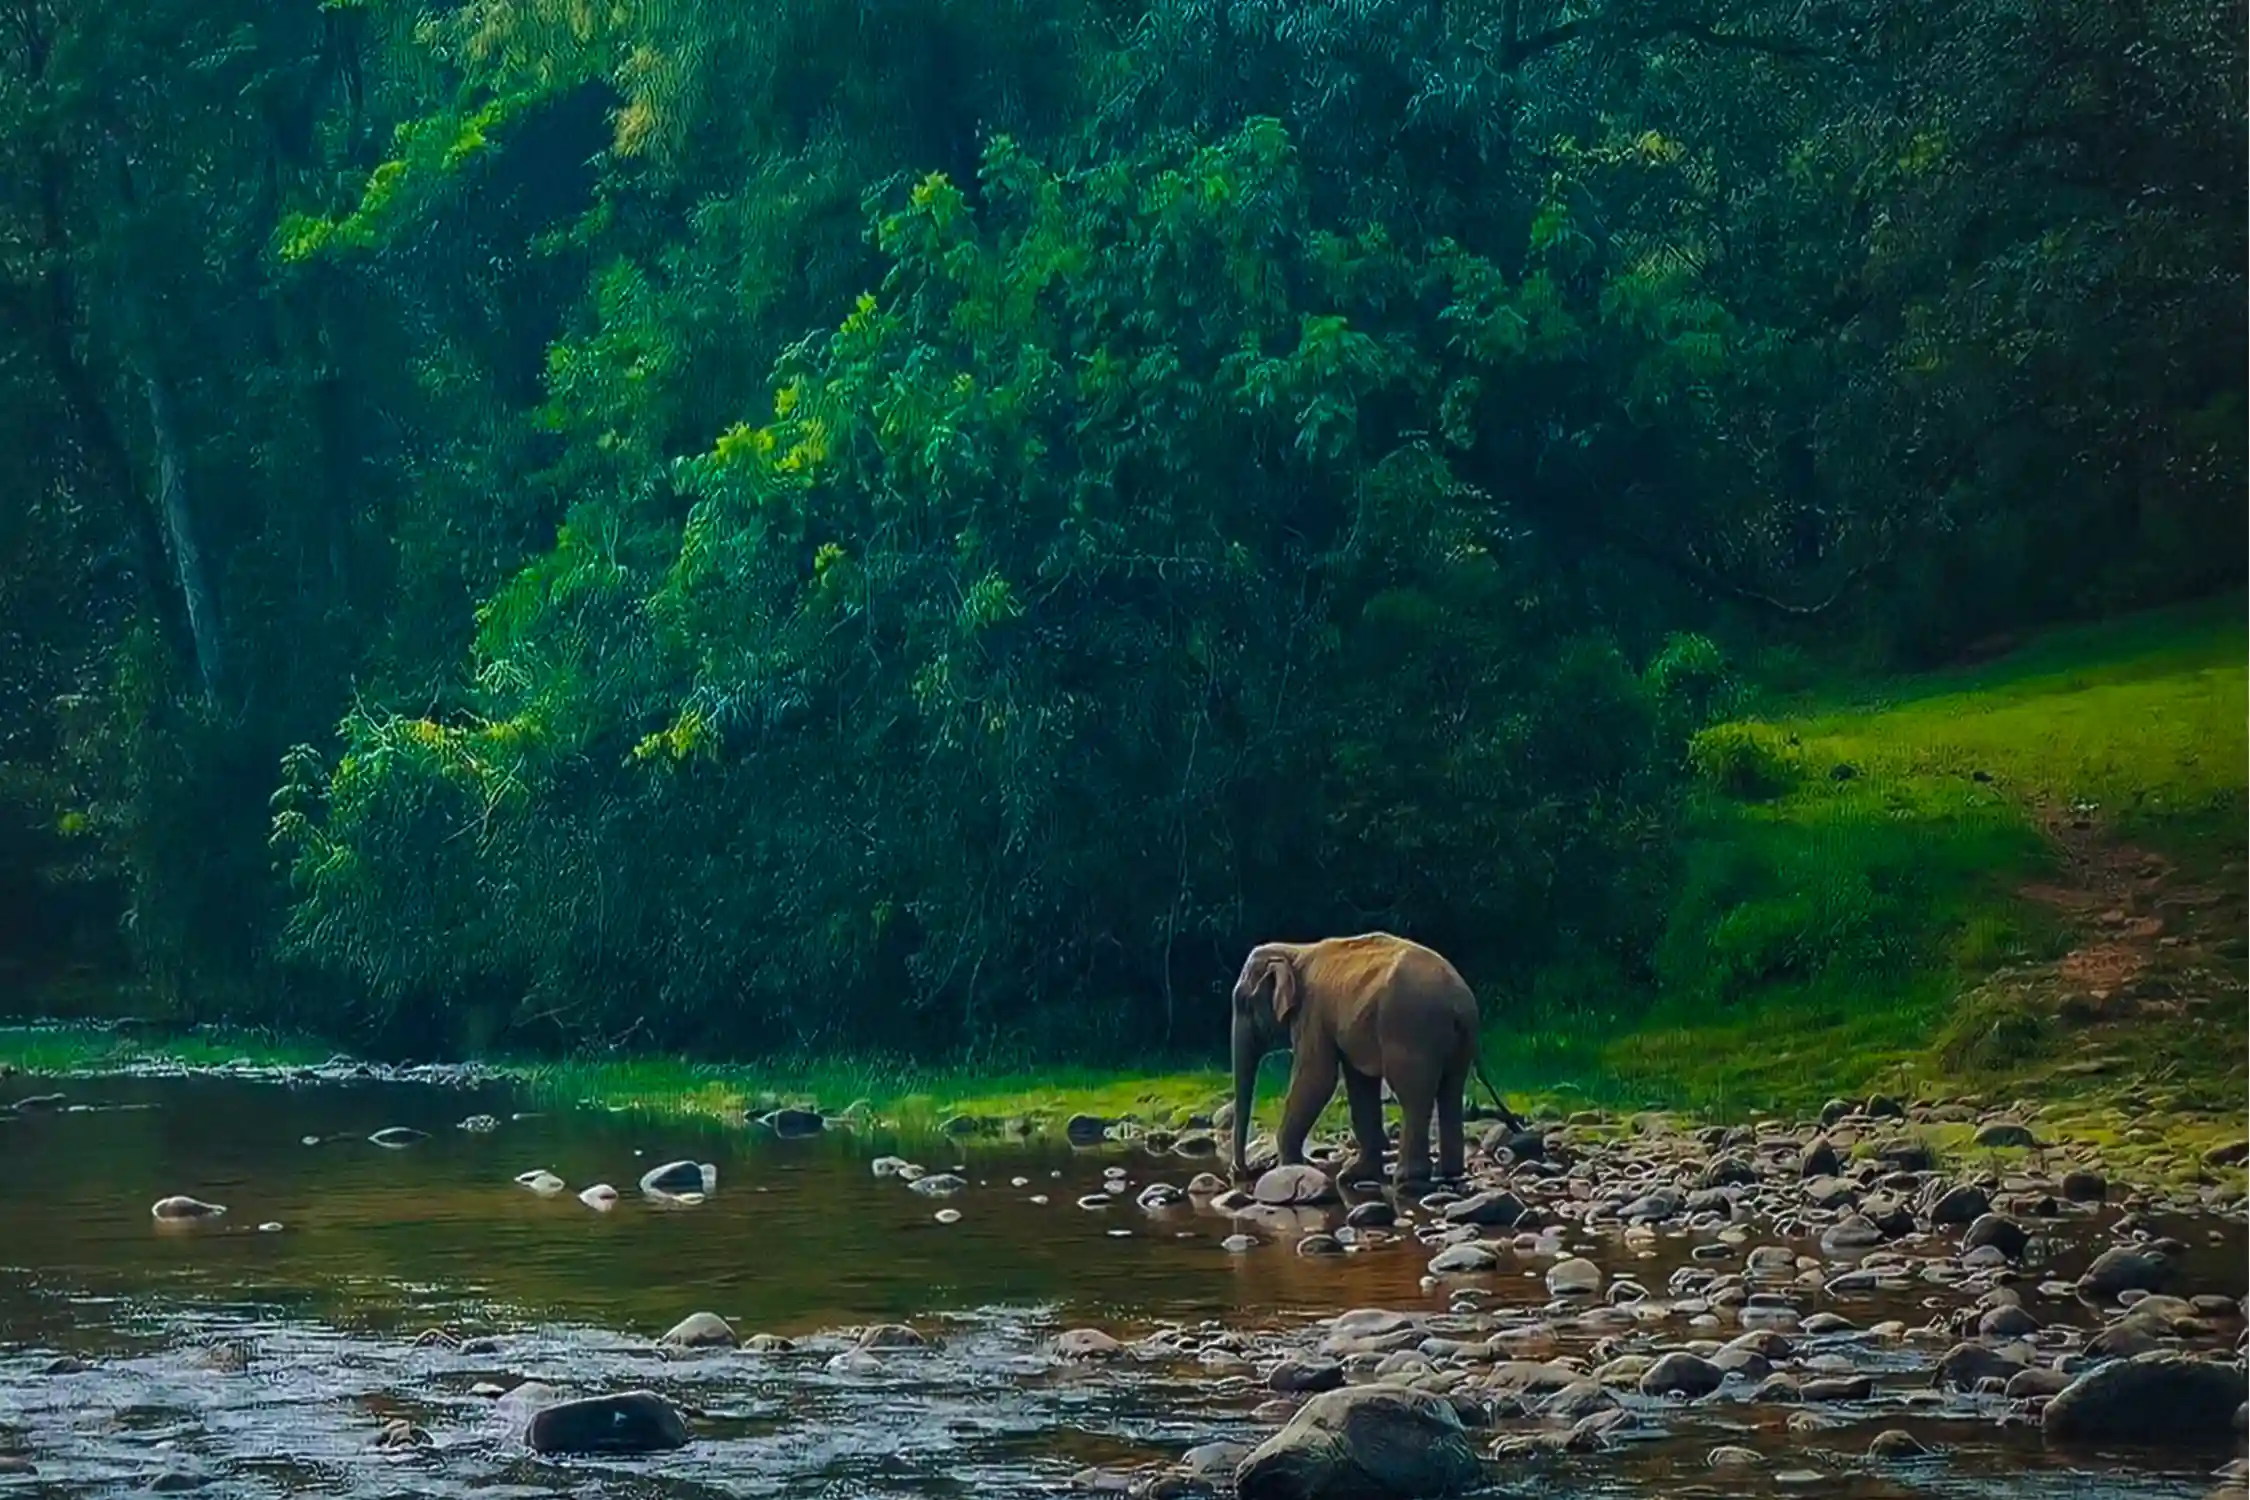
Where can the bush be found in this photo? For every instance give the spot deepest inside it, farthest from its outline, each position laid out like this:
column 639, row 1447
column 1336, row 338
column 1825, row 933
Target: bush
column 1691, row 678
column 1746, row 759
column 1991, row 1033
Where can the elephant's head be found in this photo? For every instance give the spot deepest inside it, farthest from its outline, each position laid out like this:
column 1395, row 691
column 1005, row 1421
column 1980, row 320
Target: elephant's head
column 1266, row 995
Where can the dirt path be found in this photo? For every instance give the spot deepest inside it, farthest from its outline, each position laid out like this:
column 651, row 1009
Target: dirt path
column 2149, row 944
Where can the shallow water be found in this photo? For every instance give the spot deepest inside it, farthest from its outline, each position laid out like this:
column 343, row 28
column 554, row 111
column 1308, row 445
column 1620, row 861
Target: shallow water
column 800, row 1238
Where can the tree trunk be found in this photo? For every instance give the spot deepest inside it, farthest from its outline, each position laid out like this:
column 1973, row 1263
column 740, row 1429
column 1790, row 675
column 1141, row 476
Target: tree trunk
column 179, row 529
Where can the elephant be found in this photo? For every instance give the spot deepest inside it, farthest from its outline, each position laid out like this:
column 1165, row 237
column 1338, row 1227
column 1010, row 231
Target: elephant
column 1378, row 1009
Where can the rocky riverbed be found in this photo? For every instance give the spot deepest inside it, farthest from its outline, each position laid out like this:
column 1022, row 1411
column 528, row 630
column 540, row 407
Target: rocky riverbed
column 1606, row 1306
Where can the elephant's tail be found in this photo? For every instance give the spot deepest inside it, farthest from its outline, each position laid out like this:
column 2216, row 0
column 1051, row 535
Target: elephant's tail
column 1512, row 1119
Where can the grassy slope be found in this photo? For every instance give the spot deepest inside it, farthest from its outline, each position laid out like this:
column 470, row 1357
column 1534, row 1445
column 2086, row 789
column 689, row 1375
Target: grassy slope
column 1825, row 937
column 2136, row 730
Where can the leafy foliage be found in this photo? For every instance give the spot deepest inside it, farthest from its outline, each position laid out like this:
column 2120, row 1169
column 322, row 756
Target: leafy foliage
column 759, row 526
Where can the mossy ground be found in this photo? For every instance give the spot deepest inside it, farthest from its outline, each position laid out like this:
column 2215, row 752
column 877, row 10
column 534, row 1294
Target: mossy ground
column 2021, row 882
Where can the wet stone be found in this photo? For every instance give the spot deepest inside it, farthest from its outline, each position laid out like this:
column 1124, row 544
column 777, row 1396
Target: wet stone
column 2152, row 1399
column 1376, row 1440
column 1498, row 1209
column 631, row 1422
column 2122, row 1269
column 1087, row 1344
column 1293, row 1185
column 1681, row 1374
column 1302, row 1377
column 1964, row 1204
column 701, row 1330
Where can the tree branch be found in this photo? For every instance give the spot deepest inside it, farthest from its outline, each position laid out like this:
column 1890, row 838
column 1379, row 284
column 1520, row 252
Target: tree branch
column 1517, row 51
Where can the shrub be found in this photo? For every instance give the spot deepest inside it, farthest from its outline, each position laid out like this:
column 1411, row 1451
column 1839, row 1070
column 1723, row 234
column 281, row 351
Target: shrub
column 1746, row 759
column 1994, row 1032
column 1691, row 678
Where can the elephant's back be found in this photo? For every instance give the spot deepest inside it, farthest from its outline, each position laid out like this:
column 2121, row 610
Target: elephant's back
column 1373, row 960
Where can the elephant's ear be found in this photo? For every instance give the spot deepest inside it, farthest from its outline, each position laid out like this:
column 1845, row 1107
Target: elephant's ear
column 1284, row 986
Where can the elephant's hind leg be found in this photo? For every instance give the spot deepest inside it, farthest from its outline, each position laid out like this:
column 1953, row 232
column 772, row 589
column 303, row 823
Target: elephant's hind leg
column 1415, row 1098
column 1366, row 1095
column 1452, row 1150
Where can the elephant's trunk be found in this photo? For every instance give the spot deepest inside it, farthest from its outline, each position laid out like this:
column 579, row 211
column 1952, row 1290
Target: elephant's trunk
column 1248, row 1053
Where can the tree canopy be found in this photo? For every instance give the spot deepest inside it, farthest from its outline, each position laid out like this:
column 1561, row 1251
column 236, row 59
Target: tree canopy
column 765, row 526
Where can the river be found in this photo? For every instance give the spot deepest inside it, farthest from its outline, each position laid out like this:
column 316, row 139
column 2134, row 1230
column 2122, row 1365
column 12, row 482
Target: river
column 335, row 1253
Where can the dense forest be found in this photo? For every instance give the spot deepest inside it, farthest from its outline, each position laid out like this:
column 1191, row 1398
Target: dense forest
column 773, row 526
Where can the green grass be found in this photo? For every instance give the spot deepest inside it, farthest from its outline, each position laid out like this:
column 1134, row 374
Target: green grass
column 2142, row 721
column 1830, row 920
column 906, row 1094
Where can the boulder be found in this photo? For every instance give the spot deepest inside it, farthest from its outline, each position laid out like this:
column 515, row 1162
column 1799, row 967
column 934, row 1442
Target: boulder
column 180, row 1208
column 1907, row 1154
column 676, row 1178
column 1998, row 1231
column 1577, row 1401
column 1838, row 1388
column 2039, row 1380
column 1964, row 1204
column 1305, row 1377
column 1682, row 1374
column 1085, row 1130
column 1653, row 1207
column 700, row 1331
column 1293, row 1185
column 1896, row 1442
column 1819, row 1159
column 1964, row 1366
column 1376, row 1442
column 1466, row 1259
column 2081, row 1185
column 793, row 1124
column 1853, row 1232
column 1087, row 1343
column 2124, row 1269
column 1158, row 1195
column 2000, row 1134
column 1573, row 1276
column 938, row 1184
column 2006, row 1322
column 1497, row 1209
column 2125, row 1339
column 891, row 1336
column 2156, row 1399
column 630, row 1422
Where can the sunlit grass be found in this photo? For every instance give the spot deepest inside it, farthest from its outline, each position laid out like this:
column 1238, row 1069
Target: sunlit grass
column 905, row 1093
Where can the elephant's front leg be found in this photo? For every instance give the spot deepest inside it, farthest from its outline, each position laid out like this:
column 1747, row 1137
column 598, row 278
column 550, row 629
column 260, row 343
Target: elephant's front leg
column 1365, row 1092
column 1312, row 1080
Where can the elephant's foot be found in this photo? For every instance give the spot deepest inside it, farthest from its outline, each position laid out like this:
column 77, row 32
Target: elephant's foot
column 1415, row 1176
column 1362, row 1171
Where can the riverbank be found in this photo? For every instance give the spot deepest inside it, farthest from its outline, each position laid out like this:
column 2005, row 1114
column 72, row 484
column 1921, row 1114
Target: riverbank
column 2021, row 883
